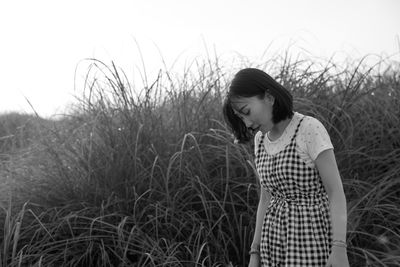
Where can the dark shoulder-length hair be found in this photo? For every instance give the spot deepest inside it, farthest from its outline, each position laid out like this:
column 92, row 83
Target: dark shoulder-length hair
column 251, row 82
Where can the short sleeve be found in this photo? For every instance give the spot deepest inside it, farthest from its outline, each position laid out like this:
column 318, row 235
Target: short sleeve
column 316, row 137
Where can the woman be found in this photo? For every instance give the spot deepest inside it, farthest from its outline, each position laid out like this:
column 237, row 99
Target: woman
column 301, row 215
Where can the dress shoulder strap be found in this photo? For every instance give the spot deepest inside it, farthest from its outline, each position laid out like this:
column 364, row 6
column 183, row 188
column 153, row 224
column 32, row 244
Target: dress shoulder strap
column 260, row 143
column 297, row 129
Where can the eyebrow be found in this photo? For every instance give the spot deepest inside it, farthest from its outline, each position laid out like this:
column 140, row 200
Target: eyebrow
column 240, row 110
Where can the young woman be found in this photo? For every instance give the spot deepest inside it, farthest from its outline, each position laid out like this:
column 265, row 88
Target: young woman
column 301, row 215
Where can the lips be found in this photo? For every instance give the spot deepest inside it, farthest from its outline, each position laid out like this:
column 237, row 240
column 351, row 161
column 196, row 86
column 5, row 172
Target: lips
column 256, row 129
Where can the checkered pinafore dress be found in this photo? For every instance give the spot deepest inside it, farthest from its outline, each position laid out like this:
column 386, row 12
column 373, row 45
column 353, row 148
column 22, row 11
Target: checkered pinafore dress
column 297, row 228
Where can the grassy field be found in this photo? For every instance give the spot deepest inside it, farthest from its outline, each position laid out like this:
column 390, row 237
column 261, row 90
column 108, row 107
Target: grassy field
column 154, row 178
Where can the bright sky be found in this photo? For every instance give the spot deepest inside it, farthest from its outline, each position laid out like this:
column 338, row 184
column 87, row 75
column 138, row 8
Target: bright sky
column 42, row 42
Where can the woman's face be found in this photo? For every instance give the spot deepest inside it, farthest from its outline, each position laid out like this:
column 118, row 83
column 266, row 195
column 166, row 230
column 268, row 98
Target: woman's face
column 255, row 113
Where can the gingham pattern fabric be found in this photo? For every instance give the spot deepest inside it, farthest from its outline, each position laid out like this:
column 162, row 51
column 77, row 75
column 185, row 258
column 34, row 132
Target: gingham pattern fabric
column 297, row 227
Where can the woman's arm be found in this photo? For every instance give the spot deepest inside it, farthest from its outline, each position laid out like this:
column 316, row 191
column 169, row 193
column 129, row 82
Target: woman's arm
column 262, row 207
column 327, row 167
column 329, row 172
column 255, row 246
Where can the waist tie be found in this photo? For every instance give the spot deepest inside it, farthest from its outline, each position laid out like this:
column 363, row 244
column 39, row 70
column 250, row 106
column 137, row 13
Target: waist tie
column 299, row 200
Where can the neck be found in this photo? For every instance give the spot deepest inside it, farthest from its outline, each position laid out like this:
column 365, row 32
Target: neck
column 278, row 129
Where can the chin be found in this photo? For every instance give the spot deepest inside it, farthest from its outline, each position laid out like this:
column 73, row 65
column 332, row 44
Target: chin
column 264, row 130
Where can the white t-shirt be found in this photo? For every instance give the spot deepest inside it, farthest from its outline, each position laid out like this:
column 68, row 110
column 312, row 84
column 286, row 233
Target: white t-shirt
column 311, row 139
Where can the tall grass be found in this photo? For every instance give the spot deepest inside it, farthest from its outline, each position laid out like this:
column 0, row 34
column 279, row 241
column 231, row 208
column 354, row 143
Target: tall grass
column 154, row 178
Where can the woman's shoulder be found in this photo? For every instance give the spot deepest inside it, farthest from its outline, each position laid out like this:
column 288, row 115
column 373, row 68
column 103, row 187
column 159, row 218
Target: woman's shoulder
column 313, row 136
column 311, row 124
column 257, row 139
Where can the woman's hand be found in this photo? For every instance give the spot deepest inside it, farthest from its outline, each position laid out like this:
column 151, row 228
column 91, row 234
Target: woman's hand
column 254, row 260
column 338, row 257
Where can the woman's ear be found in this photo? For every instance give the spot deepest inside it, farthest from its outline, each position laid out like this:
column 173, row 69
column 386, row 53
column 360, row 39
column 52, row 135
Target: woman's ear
column 269, row 98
